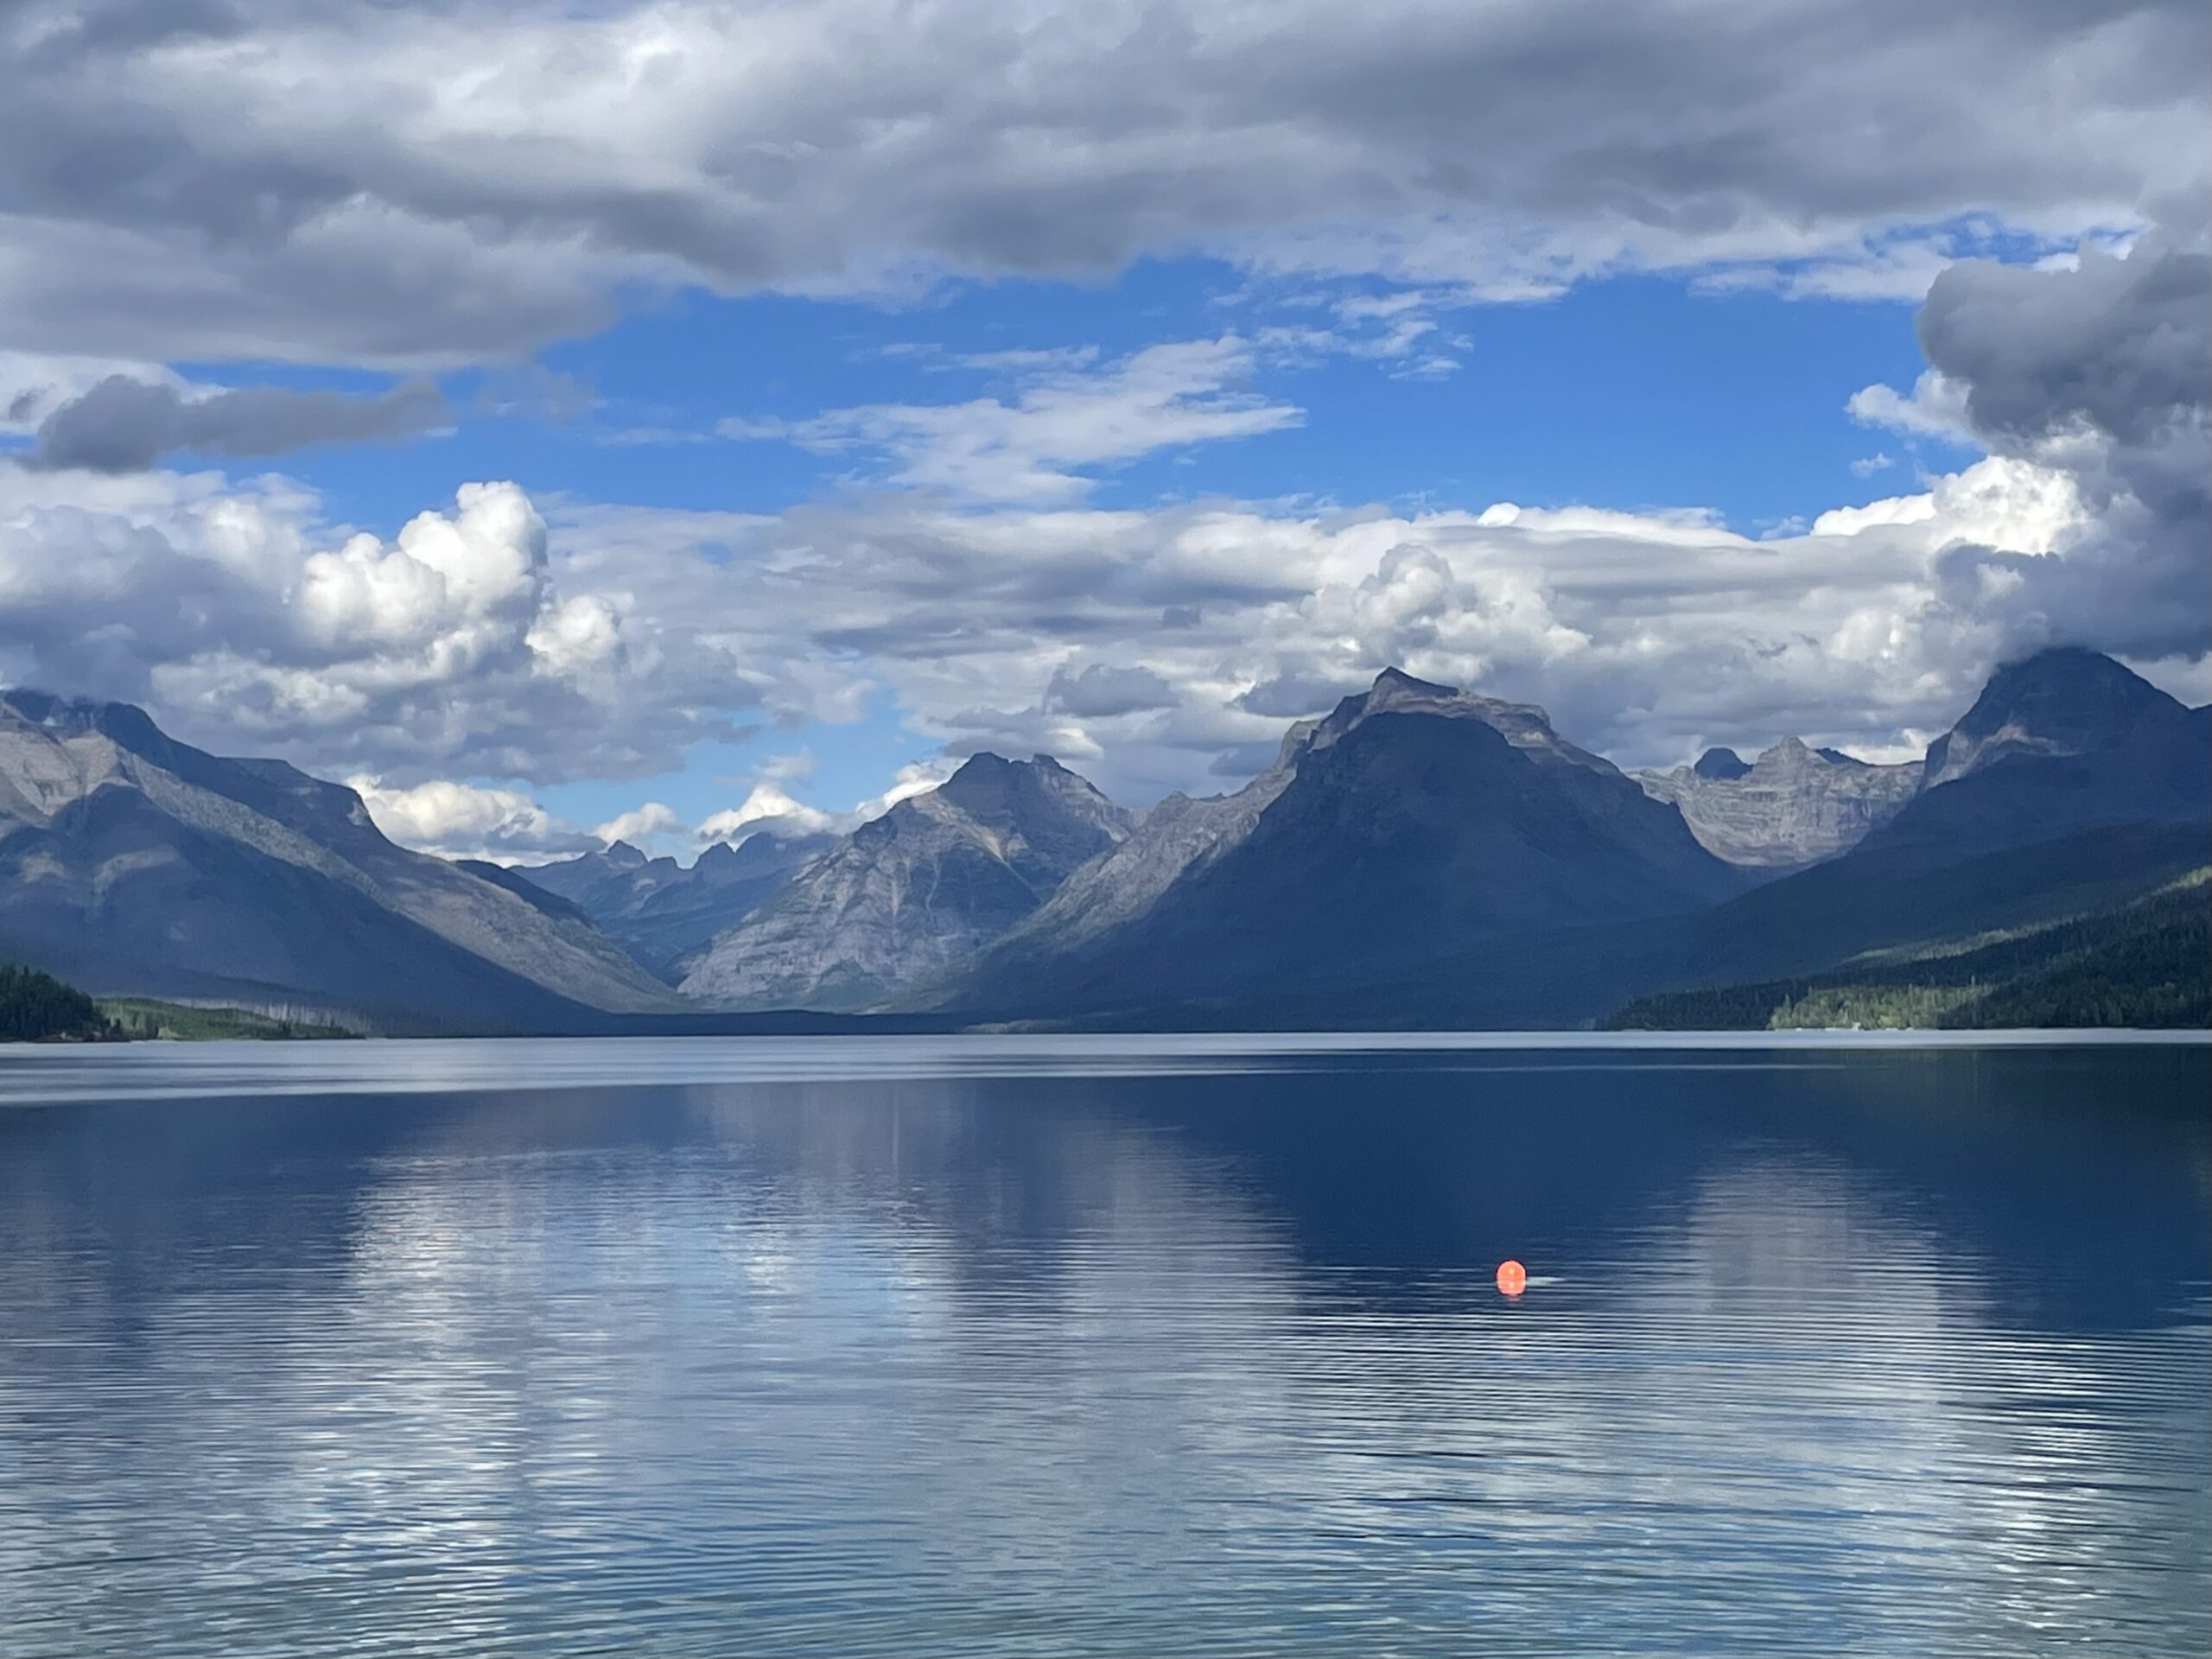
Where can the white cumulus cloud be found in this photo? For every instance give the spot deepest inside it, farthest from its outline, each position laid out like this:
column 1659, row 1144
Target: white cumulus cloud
column 768, row 808
column 458, row 820
column 646, row 826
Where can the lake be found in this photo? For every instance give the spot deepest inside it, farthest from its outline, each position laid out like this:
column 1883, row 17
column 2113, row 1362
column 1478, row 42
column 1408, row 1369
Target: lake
column 1129, row 1345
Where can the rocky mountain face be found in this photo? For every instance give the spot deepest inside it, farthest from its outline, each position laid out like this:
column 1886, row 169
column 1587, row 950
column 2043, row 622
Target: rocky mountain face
column 1427, row 857
column 1791, row 807
column 665, row 914
column 908, row 895
column 1794, row 805
column 1411, row 820
column 1180, row 836
column 129, row 862
column 1525, row 726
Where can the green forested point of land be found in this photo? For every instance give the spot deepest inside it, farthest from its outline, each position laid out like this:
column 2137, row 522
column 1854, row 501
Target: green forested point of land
column 36, row 1007
column 2147, row 965
column 147, row 1018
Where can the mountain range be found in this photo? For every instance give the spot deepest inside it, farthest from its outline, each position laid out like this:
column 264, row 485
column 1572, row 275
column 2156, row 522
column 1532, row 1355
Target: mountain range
column 661, row 913
column 1422, row 855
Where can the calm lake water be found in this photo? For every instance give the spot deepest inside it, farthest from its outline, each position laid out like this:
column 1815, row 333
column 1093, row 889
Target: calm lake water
column 1136, row 1346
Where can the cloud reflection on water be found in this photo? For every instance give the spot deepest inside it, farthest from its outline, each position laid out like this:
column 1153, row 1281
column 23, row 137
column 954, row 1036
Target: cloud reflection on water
column 1041, row 1364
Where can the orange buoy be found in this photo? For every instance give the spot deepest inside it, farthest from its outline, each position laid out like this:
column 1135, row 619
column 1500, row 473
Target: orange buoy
column 1512, row 1277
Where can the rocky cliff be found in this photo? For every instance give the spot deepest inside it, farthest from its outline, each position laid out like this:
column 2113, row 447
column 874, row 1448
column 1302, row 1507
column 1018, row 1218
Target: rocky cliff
column 1791, row 807
column 909, row 893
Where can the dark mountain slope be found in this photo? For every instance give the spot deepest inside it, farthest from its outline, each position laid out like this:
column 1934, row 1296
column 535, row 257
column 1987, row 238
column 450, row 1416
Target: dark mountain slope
column 2144, row 963
column 1430, row 883
column 1576, row 976
column 115, row 895
column 2158, row 771
column 2062, row 700
column 141, row 864
column 1399, row 842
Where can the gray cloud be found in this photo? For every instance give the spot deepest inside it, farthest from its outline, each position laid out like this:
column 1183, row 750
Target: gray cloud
column 125, row 425
column 341, row 182
column 1291, row 696
column 1100, row 690
column 2118, row 346
column 1165, row 647
column 2104, row 373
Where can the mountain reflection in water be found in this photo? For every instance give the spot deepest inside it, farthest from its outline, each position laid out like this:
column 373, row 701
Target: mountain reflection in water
column 1133, row 1347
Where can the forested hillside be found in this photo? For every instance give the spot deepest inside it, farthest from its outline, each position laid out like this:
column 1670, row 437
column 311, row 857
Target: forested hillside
column 2146, row 965
column 37, row 1007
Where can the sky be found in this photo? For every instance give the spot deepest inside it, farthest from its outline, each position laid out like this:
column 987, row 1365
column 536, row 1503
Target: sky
column 681, row 419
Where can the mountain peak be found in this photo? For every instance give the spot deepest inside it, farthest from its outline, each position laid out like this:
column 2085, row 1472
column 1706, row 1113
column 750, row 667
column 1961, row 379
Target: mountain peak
column 2064, row 700
column 908, row 892
column 123, row 723
column 1523, row 725
column 623, row 856
column 2064, row 671
column 1397, row 679
column 992, row 789
column 1791, row 754
column 1720, row 763
column 981, row 784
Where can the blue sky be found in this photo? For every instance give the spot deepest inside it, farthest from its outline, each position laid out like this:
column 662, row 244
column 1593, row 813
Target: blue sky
column 1632, row 392
column 706, row 416
column 1637, row 393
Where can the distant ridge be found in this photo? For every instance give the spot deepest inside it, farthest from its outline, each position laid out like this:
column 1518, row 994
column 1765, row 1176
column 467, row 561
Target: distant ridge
column 1421, row 856
column 664, row 914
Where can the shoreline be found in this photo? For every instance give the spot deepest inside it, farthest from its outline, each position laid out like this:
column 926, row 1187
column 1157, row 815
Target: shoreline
column 35, row 1075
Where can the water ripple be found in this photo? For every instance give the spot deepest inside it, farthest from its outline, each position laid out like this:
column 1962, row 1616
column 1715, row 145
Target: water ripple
column 958, row 1366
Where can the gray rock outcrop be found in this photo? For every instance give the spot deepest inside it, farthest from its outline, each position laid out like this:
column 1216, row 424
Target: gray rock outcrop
column 906, row 895
column 1791, row 807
